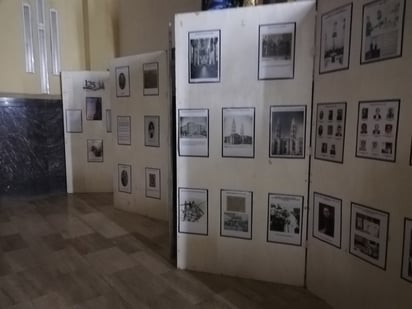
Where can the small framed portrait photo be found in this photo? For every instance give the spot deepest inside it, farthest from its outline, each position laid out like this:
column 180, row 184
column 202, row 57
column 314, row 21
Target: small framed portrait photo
column 151, row 79
column 406, row 272
column 93, row 108
column 122, row 81
column 94, row 150
column 327, row 219
column 152, row 131
column 125, row 178
column 153, row 183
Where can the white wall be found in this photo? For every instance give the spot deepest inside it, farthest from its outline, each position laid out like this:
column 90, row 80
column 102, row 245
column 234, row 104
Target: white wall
column 239, row 87
column 342, row 279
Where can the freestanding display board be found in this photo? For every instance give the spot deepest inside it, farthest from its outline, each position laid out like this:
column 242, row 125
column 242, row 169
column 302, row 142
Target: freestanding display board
column 141, row 134
column 244, row 88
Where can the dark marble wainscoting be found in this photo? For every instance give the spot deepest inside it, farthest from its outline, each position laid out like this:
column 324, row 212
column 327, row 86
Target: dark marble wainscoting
column 32, row 157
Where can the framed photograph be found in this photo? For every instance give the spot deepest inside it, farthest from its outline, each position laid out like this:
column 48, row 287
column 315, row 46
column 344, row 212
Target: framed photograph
column 287, row 131
column 93, row 108
column 277, row 51
column 125, row 178
column 369, row 234
column 193, row 132
column 327, row 219
column 153, row 183
column 335, row 39
column 238, row 132
column 382, row 30
column 122, row 81
column 406, row 272
column 204, row 56
column 377, row 130
column 410, row 155
column 193, row 211
column 285, row 215
column 236, row 213
column 108, row 120
column 94, row 150
column 124, row 130
column 152, row 131
column 74, row 121
column 151, row 78
column 330, row 132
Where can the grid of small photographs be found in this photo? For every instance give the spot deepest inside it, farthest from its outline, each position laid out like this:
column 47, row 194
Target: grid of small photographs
column 193, row 211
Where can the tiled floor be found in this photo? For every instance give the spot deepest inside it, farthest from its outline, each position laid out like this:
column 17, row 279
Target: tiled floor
column 78, row 252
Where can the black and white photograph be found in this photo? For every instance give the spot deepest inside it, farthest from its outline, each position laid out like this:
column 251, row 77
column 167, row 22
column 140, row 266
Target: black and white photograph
column 152, row 131
column 74, row 121
column 108, row 120
column 124, row 130
column 193, row 132
column 122, row 81
column 193, row 211
column 335, row 39
column 124, row 178
column 152, row 183
column 369, row 234
column 236, row 213
column 204, row 56
column 406, row 272
column 238, row 132
column 93, row 108
column 151, row 79
column 277, row 51
column 382, row 30
column 330, row 132
column 94, row 150
column 285, row 217
column 377, row 130
column 287, row 131
column 327, row 219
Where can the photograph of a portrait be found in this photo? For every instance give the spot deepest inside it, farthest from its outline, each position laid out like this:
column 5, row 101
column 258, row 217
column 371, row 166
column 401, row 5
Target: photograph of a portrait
column 406, row 271
column 152, row 131
column 287, row 131
column 382, row 30
column 204, row 56
column 276, row 51
column 93, row 108
column 124, row 130
column 124, row 178
column 122, row 81
column 285, row 217
column 152, row 183
column 238, row 132
column 369, row 234
column 327, row 219
column 335, row 39
column 151, row 79
column 236, row 213
column 94, row 150
column 193, row 133
column 193, row 211
column 74, row 121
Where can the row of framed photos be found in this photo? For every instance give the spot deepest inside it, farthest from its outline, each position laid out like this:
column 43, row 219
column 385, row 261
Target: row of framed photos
column 151, row 130
column 152, row 180
column 150, row 73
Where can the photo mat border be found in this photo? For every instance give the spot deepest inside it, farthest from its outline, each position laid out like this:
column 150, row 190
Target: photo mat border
column 87, row 149
column 128, row 80
column 81, row 120
column 158, row 130
column 158, row 80
column 130, row 129
column 129, row 166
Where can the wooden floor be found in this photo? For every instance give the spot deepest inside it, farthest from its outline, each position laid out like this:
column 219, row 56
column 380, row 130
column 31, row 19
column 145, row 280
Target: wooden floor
column 76, row 251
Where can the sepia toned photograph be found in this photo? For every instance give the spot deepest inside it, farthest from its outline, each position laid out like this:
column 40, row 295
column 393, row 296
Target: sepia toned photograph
column 276, row 51
column 406, row 272
column 74, row 121
column 238, row 132
column 151, row 79
column 382, row 30
column 327, row 219
column 124, row 130
column 335, row 39
column 193, row 132
column 204, row 56
column 152, row 131
column 193, row 211
column 236, row 213
column 124, row 178
column 152, row 183
column 369, row 234
column 287, row 131
column 93, row 108
column 284, row 223
column 122, row 81
column 94, row 150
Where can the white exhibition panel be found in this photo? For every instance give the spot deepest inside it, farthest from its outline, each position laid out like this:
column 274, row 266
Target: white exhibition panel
column 336, row 275
column 131, row 100
column 85, row 101
column 239, row 87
